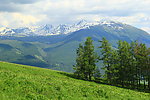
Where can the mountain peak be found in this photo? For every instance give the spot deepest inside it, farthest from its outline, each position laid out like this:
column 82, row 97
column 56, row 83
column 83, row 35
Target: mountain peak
column 82, row 22
column 47, row 26
column 49, row 29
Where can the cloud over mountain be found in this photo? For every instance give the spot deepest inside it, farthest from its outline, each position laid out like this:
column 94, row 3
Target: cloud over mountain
column 67, row 11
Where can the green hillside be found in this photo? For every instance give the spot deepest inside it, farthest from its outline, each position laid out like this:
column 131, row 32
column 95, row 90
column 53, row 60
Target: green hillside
column 58, row 52
column 20, row 82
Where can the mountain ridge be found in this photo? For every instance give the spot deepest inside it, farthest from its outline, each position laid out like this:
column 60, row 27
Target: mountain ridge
column 66, row 29
column 59, row 51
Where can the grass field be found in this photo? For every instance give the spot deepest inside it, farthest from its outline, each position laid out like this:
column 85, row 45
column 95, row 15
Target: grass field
column 20, row 82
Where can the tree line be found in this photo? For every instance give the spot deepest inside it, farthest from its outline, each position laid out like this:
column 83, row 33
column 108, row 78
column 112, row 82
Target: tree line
column 127, row 65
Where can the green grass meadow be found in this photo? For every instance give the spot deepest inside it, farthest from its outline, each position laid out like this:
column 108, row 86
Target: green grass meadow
column 20, row 82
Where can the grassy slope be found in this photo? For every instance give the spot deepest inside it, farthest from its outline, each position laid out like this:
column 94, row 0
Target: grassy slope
column 19, row 82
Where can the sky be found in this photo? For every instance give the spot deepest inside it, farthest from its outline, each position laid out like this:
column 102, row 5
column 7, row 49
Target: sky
column 24, row 13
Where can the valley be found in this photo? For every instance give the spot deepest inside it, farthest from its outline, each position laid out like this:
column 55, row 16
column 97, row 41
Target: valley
column 58, row 51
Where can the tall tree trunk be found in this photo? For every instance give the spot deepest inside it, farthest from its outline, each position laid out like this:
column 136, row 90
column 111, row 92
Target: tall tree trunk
column 90, row 77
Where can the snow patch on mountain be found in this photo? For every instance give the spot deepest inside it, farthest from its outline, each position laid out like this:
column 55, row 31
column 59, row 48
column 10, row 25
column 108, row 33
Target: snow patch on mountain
column 48, row 29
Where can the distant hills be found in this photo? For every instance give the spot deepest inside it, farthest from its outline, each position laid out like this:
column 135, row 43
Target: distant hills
column 55, row 47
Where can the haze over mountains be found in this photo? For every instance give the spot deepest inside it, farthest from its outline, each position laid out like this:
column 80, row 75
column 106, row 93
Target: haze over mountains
column 55, row 47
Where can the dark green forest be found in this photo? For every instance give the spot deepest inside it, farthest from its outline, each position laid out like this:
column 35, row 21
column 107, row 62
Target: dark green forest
column 127, row 65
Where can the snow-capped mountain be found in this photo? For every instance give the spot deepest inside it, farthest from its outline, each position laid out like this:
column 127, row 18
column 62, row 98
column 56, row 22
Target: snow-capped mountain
column 48, row 29
column 47, row 49
column 6, row 31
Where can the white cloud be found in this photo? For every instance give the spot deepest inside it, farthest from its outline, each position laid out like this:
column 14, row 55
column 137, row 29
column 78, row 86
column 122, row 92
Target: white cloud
column 24, row 19
column 134, row 12
column 18, row 20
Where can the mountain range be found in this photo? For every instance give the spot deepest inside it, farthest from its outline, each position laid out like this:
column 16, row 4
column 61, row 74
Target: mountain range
column 55, row 47
column 48, row 29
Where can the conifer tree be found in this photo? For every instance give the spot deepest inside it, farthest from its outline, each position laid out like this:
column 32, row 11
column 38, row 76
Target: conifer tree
column 127, row 65
column 90, row 58
column 138, row 66
column 124, row 62
column 86, row 60
column 106, row 57
column 148, row 69
column 143, row 64
column 79, row 67
column 114, row 63
column 133, row 64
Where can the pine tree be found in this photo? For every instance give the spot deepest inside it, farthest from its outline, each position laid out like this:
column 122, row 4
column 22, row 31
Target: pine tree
column 128, row 65
column 143, row 58
column 133, row 64
column 79, row 67
column 124, row 62
column 86, row 60
column 114, row 67
column 106, row 57
column 148, row 68
column 90, row 58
